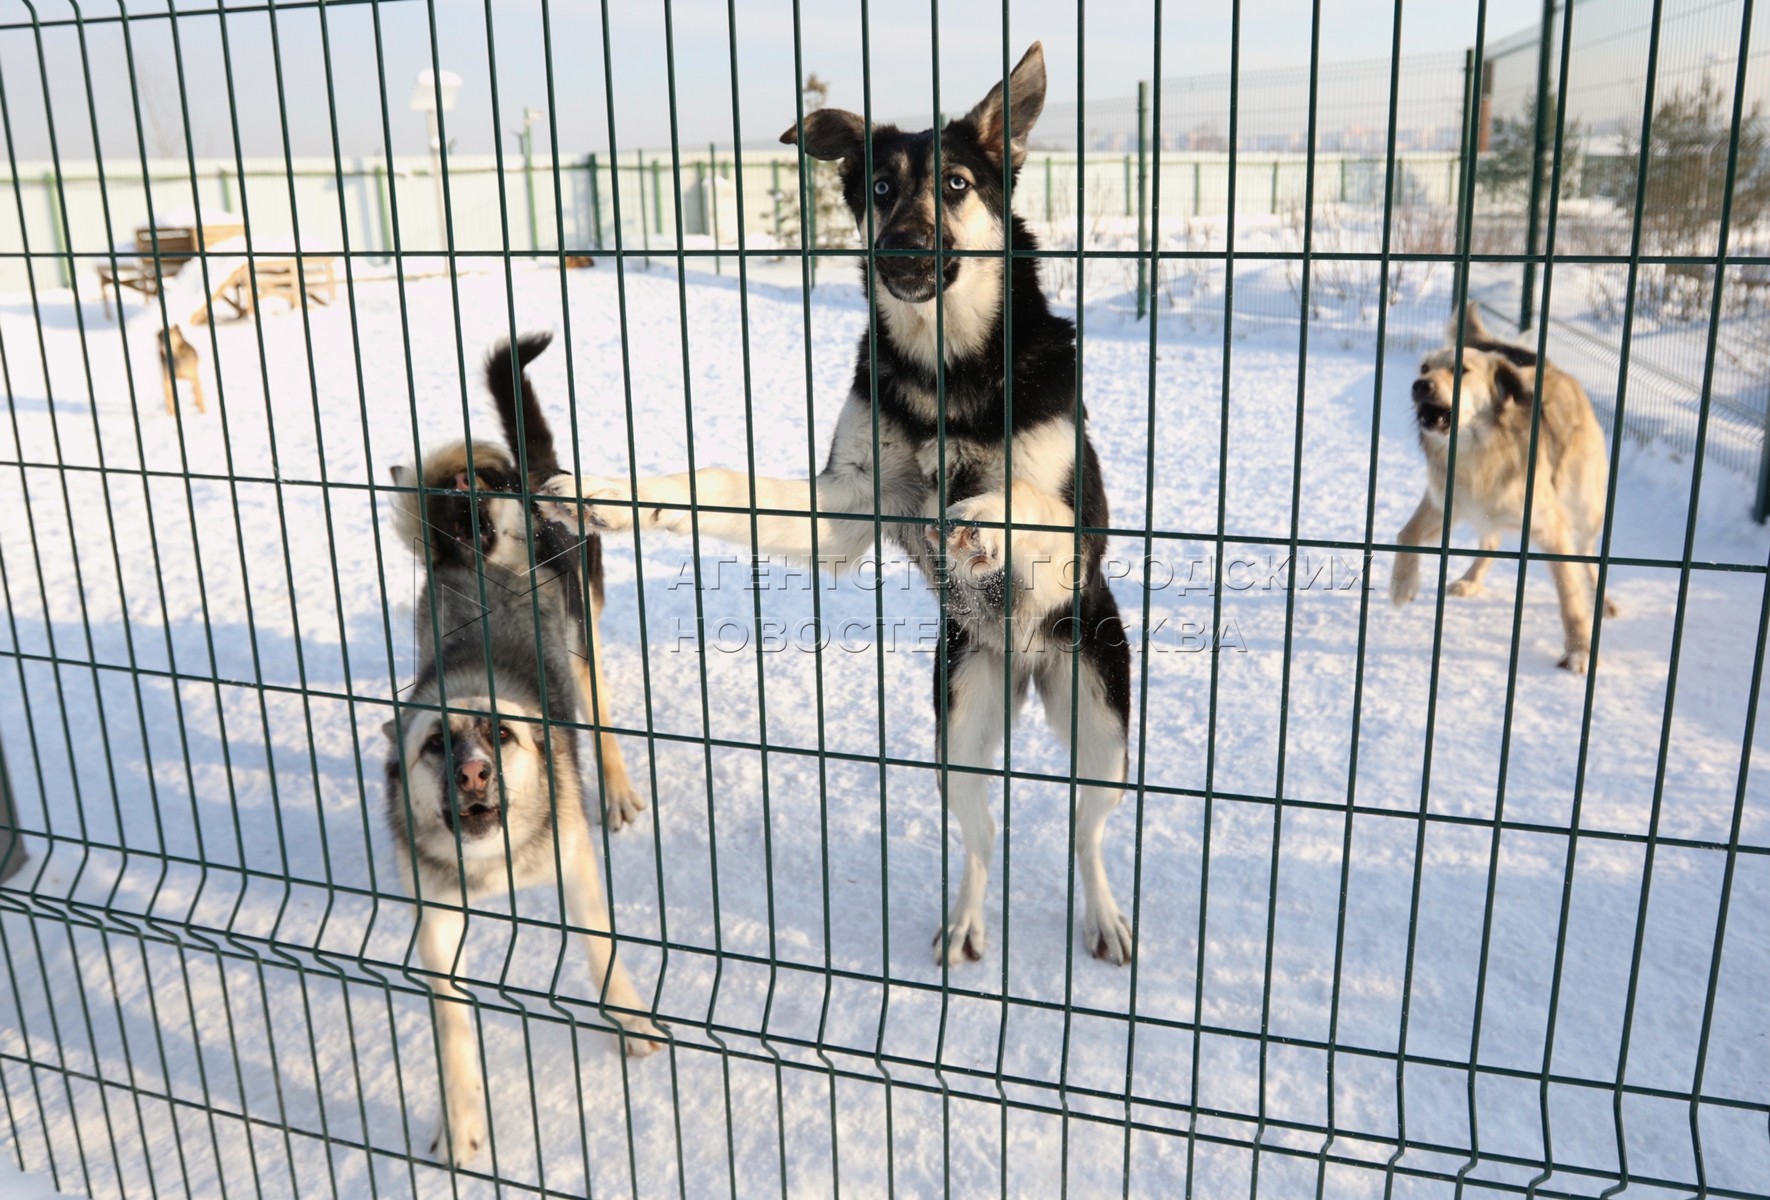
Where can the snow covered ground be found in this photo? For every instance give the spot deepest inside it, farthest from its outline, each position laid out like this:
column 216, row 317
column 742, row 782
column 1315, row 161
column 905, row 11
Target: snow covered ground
column 235, row 834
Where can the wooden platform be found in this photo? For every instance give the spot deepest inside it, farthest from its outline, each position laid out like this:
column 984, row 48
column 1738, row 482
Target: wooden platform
column 298, row 281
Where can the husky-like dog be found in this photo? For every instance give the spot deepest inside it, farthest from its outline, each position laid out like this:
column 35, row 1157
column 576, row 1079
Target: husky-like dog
column 484, row 796
column 1501, row 385
column 472, row 514
column 1065, row 634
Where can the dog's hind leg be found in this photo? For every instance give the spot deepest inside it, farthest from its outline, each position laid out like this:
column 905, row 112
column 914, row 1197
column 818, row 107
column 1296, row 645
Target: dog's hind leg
column 463, row 1129
column 1573, row 587
column 585, row 908
column 1470, row 583
column 197, row 392
column 621, row 802
column 974, row 722
column 1610, row 609
column 1098, row 681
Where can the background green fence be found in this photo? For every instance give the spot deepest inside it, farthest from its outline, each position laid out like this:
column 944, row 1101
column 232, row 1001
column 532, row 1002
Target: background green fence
column 1416, row 913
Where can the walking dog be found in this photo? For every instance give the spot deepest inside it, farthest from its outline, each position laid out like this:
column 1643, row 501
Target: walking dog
column 1501, row 385
column 484, row 795
column 1051, row 623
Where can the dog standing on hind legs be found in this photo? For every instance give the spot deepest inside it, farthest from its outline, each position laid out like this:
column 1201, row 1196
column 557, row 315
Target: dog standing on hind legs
column 1065, row 633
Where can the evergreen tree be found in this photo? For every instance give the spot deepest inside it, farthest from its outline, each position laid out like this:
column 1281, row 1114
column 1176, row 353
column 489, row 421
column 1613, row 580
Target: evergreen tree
column 1504, row 171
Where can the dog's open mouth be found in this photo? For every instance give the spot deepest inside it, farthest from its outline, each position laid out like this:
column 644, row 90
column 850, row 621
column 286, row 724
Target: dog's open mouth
column 477, row 817
column 1432, row 417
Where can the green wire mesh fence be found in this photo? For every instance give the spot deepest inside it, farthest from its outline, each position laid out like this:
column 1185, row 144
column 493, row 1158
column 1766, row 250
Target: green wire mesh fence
column 1415, row 912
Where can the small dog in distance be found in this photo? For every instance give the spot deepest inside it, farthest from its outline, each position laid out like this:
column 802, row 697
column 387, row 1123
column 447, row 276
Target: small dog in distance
column 178, row 360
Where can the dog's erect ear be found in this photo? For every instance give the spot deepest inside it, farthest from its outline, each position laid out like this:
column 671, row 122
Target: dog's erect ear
column 1508, row 384
column 391, row 730
column 1473, row 331
column 401, row 476
column 830, row 134
column 997, row 121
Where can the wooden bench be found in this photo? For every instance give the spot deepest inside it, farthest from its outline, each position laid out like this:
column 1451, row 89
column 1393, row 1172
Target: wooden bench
column 173, row 245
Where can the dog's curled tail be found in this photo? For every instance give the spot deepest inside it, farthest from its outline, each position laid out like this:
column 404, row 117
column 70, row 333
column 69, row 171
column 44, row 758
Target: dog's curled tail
column 536, row 437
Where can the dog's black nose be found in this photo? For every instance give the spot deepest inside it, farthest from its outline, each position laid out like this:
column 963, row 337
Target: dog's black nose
column 1422, row 391
column 473, row 776
column 907, row 239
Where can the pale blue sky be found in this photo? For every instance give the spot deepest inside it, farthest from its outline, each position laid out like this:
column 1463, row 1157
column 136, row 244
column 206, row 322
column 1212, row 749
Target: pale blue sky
column 1118, row 35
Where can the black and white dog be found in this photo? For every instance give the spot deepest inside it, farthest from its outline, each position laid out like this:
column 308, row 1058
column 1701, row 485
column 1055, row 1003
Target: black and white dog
column 997, row 631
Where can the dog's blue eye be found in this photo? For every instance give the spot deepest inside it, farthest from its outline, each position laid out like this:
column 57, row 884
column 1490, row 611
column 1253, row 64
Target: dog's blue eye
column 881, row 188
column 957, row 182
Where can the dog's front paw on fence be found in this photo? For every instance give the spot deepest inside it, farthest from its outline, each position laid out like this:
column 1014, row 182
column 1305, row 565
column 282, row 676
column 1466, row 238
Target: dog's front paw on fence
column 973, row 559
column 621, row 804
column 974, row 552
column 603, row 502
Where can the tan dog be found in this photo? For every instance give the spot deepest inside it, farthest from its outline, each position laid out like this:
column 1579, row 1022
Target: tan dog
column 1501, row 385
column 178, row 360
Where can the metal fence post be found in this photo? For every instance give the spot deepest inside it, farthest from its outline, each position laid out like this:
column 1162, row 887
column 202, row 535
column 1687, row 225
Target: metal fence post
column 1127, row 185
column 644, row 229
column 595, row 201
column 382, row 183
column 1197, row 182
column 64, row 265
column 12, row 852
column 528, row 183
column 710, row 197
column 1142, row 196
column 1538, row 163
column 1465, row 136
column 657, row 196
column 1761, row 510
column 774, row 193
